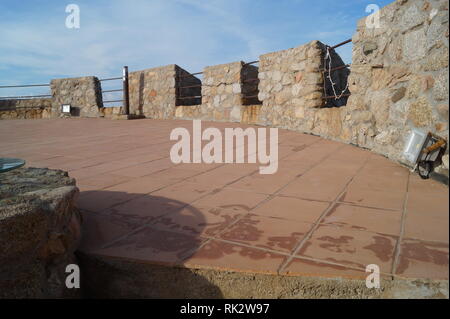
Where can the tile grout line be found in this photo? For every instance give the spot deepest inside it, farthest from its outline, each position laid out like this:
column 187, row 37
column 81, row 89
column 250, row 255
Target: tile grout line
column 188, row 204
column 87, row 158
column 248, row 212
column 402, row 230
column 268, row 198
column 184, row 206
column 158, row 189
column 137, row 229
column 268, row 250
column 318, row 222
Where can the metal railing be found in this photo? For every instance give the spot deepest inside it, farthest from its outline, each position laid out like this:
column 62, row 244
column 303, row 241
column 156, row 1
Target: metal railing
column 125, row 92
column 192, row 98
column 22, row 97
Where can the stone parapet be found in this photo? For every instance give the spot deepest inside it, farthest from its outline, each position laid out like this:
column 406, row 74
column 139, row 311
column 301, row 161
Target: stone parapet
column 153, row 93
column 83, row 94
column 25, row 109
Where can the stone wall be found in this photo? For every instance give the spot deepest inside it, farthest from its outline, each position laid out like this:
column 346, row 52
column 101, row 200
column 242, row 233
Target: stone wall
column 83, row 94
column 291, row 88
column 153, row 93
column 25, row 109
column 223, row 89
column 39, row 233
column 410, row 89
column 110, row 112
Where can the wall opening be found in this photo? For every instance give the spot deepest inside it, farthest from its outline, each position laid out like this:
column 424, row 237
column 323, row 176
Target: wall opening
column 188, row 87
column 249, row 85
column 335, row 74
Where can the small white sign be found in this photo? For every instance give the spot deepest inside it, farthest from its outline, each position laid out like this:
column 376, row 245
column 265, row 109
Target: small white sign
column 66, row 108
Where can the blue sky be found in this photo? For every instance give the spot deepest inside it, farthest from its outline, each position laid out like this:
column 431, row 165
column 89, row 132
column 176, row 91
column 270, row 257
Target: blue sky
column 36, row 46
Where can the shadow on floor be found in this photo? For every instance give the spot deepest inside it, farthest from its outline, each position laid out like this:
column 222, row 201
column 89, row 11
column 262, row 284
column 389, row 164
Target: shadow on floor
column 122, row 245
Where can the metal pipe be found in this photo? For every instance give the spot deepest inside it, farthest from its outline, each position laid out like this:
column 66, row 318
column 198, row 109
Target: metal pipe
column 22, row 86
column 109, row 79
column 126, row 95
column 191, row 86
column 188, row 75
column 190, row 97
column 105, row 91
column 340, row 44
column 252, row 62
column 251, row 80
column 336, row 68
column 22, row 97
column 112, row 101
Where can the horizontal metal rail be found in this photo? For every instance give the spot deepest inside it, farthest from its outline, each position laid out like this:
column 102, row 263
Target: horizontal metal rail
column 252, row 62
column 112, row 101
column 190, row 86
column 189, row 97
column 188, row 75
column 22, row 97
column 251, row 80
column 249, row 96
column 336, row 68
column 116, row 90
column 341, row 44
column 110, row 79
column 22, row 86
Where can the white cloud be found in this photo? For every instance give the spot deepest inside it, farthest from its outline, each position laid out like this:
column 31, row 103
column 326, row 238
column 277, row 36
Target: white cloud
column 141, row 34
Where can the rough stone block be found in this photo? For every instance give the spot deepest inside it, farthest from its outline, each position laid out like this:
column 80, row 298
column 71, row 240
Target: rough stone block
column 83, row 94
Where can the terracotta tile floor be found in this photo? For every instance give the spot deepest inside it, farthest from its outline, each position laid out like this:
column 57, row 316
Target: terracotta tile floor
column 330, row 210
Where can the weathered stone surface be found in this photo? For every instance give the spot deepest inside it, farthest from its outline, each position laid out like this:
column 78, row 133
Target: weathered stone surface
column 436, row 61
column 109, row 112
column 291, row 87
column 420, row 112
column 222, row 91
column 369, row 47
column 153, row 93
column 25, row 109
column 39, row 232
column 445, row 161
column 440, row 89
column 398, row 94
column 413, row 49
column 226, row 91
column 443, row 111
column 412, row 16
column 83, row 94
